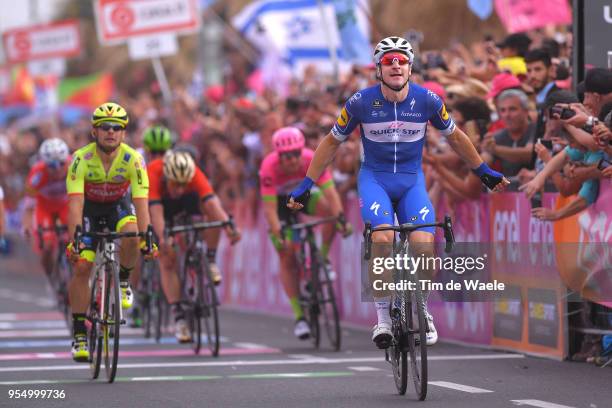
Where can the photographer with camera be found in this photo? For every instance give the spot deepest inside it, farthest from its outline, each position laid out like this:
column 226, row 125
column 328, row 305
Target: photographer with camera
column 582, row 174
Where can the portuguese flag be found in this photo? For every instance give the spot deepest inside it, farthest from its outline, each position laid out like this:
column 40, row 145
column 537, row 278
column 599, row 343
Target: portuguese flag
column 87, row 91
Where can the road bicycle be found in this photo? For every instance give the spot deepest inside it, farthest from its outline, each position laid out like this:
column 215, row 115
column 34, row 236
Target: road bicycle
column 105, row 315
column 198, row 288
column 318, row 300
column 407, row 311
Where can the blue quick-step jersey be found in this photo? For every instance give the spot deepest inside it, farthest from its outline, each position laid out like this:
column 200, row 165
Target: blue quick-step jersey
column 393, row 133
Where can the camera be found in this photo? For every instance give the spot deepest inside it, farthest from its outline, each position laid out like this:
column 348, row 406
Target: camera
column 564, row 113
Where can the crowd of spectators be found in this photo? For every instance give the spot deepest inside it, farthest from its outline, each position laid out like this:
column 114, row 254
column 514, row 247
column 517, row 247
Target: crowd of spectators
column 513, row 98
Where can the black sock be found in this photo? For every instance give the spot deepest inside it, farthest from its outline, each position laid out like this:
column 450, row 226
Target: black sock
column 78, row 324
column 211, row 254
column 124, row 273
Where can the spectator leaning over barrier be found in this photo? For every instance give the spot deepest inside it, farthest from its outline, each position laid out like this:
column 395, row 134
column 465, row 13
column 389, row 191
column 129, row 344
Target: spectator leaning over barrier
column 554, row 140
column 512, row 147
column 589, row 189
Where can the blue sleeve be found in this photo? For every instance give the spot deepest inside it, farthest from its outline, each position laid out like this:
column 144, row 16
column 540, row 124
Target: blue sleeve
column 589, row 191
column 438, row 116
column 574, row 154
column 349, row 118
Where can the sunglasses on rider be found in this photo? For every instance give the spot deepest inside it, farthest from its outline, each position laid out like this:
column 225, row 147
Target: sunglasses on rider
column 108, row 126
column 389, row 59
column 291, row 154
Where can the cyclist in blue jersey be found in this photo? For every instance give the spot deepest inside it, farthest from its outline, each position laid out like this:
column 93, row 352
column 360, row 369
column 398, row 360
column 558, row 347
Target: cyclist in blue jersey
column 393, row 118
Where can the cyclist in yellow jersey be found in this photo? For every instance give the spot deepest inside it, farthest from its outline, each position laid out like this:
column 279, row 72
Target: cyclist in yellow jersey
column 98, row 181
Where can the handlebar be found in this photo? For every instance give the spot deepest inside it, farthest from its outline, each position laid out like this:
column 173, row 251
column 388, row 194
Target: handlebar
column 110, row 235
column 201, row 226
column 447, row 225
column 310, row 224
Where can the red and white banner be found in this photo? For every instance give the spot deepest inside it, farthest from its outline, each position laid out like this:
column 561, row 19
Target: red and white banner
column 118, row 20
column 524, row 15
column 42, row 41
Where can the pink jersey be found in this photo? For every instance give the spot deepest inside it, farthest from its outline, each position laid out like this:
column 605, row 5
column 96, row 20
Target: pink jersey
column 275, row 182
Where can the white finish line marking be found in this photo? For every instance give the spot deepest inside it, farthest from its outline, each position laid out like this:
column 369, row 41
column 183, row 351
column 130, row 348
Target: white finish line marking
column 318, row 360
column 539, row 404
column 363, row 368
column 459, row 387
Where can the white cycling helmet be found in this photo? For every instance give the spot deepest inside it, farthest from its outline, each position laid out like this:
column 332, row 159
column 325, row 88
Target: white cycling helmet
column 54, row 150
column 179, row 166
column 389, row 44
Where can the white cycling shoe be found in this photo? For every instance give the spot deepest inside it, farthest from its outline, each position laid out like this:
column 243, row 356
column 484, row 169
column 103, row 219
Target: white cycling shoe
column 382, row 335
column 301, row 329
column 432, row 333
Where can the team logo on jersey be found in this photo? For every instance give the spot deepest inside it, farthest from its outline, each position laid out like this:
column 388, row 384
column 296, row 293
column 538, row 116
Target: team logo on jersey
column 355, row 98
column 75, row 164
column 444, row 113
column 88, row 156
column 379, row 114
column 433, row 94
column 126, row 157
column 139, row 176
column 411, row 114
column 412, row 102
column 267, row 182
column 121, row 170
column 119, row 178
column 343, row 118
column 377, row 104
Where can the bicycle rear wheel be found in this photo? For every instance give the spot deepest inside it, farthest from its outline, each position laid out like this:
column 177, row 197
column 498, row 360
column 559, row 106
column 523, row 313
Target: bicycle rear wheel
column 328, row 307
column 208, row 305
column 314, row 309
column 94, row 338
column 417, row 341
column 112, row 321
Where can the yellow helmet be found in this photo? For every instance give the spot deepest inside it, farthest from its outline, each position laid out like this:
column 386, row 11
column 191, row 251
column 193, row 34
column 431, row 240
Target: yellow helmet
column 109, row 112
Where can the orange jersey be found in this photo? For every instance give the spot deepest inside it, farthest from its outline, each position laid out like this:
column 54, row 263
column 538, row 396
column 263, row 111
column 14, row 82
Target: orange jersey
column 49, row 192
column 157, row 183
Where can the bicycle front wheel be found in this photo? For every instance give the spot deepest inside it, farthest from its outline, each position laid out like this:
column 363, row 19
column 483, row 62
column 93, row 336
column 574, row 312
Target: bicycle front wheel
column 94, row 338
column 417, row 341
column 397, row 351
column 111, row 321
column 208, row 303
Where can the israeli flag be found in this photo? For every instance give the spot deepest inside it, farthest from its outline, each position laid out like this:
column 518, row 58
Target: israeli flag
column 300, row 34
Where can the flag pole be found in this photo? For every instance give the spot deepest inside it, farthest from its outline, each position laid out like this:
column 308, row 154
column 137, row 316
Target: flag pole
column 160, row 75
column 330, row 46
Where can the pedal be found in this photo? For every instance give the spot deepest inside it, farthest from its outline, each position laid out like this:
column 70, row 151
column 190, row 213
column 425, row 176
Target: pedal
column 387, row 356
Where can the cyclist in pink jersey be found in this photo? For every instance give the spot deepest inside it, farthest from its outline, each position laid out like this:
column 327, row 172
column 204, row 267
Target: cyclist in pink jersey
column 280, row 172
